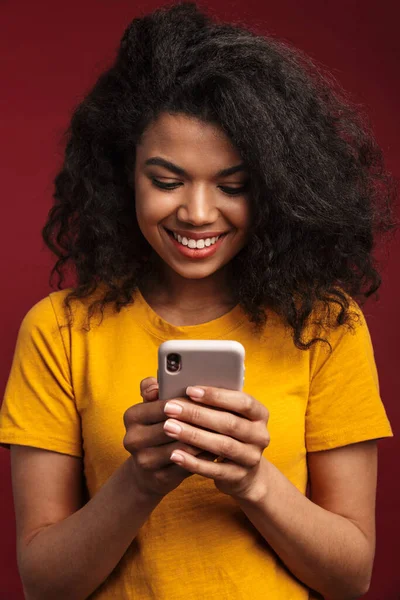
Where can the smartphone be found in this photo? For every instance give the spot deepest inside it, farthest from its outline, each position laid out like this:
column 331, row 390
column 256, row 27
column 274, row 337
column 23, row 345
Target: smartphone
column 217, row 363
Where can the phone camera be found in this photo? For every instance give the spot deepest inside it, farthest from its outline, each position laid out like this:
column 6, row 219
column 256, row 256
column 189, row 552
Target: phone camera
column 174, row 363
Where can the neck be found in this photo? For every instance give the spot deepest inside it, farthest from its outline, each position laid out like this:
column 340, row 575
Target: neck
column 184, row 301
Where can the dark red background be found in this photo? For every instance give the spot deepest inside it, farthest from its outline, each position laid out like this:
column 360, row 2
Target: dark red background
column 51, row 52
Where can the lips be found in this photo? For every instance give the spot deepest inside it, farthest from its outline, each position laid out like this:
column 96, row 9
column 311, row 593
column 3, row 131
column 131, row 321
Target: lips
column 202, row 235
column 195, row 253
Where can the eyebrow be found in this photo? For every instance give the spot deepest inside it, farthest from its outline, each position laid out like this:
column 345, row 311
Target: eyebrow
column 161, row 162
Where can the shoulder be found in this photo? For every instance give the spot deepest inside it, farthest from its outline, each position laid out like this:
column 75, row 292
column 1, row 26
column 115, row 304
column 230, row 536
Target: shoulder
column 328, row 324
column 336, row 319
column 71, row 314
column 45, row 312
column 347, row 345
column 50, row 314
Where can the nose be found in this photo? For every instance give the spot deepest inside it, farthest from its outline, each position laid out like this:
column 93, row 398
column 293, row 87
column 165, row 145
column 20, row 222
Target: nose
column 199, row 207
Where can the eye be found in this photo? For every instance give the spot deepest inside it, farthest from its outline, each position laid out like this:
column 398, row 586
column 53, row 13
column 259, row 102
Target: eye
column 234, row 191
column 164, row 186
column 227, row 190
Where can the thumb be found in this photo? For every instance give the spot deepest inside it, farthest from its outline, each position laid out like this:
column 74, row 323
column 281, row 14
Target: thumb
column 149, row 389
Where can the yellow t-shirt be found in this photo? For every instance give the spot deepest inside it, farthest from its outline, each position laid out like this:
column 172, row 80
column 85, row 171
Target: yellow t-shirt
column 69, row 388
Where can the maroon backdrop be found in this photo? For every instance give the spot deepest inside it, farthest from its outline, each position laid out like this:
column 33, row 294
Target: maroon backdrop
column 52, row 52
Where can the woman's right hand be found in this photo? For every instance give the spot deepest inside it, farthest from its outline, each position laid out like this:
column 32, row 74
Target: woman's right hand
column 150, row 448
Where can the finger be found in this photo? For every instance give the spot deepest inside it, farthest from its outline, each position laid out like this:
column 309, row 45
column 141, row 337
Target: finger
column 221, row 445
column 172, row 475
column 207, row 456
column 149, row 389
column 227, row 423
column 156, row 457
column 211, row 470
column 230, row 400
column 141, row 436
column 147, row 382
column 145, row 413
column 145, row 437
column 173, row 472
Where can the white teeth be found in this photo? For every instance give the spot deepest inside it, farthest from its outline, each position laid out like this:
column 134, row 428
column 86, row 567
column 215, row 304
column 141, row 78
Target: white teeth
column 195, row 243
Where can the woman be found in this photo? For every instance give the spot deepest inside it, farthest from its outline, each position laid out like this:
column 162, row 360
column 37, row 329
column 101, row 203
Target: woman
column 214, row 186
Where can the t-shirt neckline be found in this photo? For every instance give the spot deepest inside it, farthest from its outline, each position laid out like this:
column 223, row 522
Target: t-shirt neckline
column 220, row 327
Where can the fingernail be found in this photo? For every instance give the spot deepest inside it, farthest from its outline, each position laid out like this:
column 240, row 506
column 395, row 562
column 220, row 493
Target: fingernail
column 171, row 427
column 173, row 408
column 177, row 457
column 195, row 392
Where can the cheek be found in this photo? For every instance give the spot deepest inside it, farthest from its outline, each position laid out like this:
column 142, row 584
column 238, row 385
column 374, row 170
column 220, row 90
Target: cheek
column 239, row 214
column 151, row 208
column 145, row 213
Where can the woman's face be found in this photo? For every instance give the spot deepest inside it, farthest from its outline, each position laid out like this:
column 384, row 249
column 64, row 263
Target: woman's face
column 192, row 202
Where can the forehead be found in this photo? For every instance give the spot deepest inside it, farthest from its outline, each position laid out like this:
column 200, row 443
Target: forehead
column 183, row 138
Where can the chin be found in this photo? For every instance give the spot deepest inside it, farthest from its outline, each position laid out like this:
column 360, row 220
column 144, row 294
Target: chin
column 196, row 271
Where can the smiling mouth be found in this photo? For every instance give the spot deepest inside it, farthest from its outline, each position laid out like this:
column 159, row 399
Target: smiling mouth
column 195, row 244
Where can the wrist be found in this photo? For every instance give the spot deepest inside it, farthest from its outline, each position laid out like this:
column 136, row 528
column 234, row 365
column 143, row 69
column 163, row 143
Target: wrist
column 139, row 493
column 257, row 491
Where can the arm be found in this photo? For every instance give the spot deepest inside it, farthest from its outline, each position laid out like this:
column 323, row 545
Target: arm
column 60, row 543
column 327, row 542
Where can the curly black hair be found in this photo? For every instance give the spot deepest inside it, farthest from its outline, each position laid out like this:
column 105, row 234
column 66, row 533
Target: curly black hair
column 319, row 189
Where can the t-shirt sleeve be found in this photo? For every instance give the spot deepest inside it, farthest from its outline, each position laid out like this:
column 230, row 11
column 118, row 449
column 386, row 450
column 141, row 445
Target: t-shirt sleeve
column 39, row 406
column 344, row 405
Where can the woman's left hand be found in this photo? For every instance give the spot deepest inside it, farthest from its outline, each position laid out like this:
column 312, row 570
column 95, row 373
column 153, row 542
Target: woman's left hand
column 239, row 439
